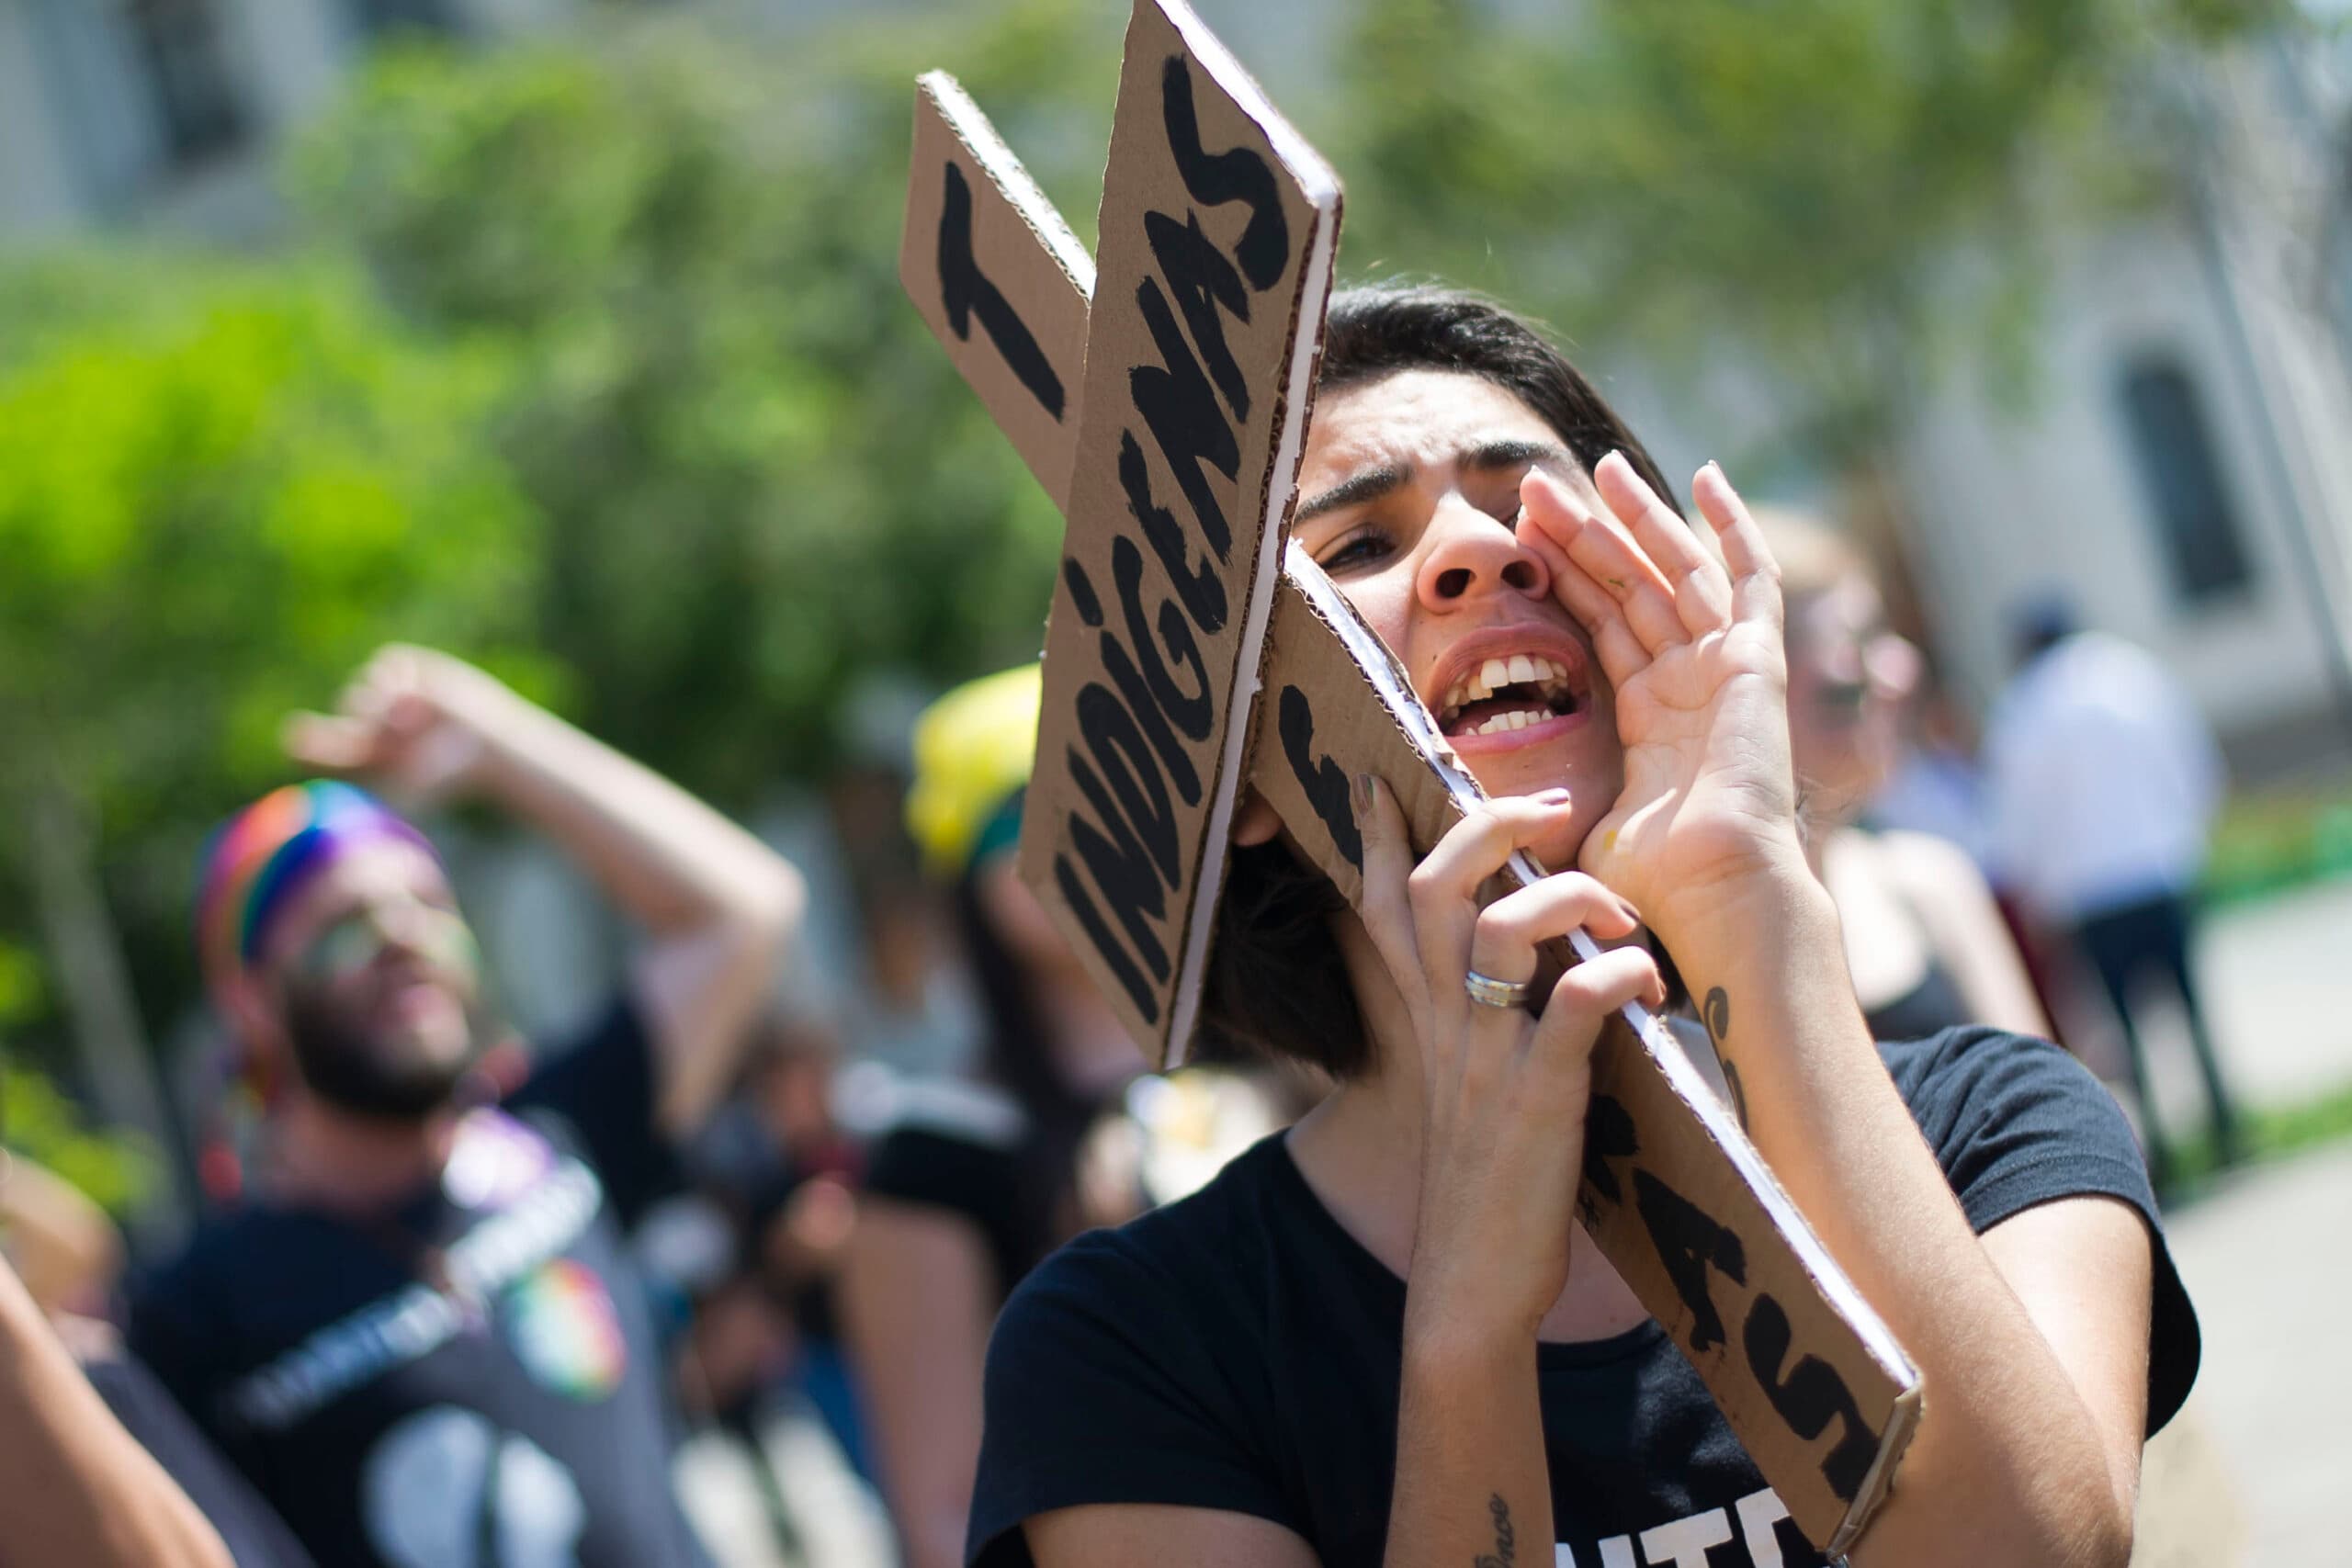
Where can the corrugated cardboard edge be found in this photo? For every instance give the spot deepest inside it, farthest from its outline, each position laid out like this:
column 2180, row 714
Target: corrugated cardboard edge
column 1320, row 184
column 1902, row 1422
column 1001, row 165
column 1052, row 274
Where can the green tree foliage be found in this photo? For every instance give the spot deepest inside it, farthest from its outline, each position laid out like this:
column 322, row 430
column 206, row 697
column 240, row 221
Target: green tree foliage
column 113, row 1167
column 1841, row 191
column 220, row 485
column 762, row 476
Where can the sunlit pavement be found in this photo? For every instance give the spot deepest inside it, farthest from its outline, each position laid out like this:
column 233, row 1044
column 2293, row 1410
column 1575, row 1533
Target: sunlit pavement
column 2277, row 978
column 2256, row 1475
column 2267, row 1257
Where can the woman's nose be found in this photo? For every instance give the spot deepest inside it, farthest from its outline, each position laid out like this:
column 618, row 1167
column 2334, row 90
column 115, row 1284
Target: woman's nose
column 1473, row 554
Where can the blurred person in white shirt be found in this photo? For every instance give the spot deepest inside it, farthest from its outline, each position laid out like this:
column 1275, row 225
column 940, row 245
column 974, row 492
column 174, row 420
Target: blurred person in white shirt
column 2103, row 780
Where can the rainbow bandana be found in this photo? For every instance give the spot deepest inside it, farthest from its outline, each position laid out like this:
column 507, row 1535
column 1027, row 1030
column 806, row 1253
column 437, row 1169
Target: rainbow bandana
column 260, row 855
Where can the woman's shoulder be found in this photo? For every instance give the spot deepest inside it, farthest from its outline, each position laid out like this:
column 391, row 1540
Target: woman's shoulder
column 1133, row 1365
column 2015, row 1120
column 1912, row 854
column 1927, row 872
column 1975, row 1071
column 1972, row 1059
column 1178, row 1266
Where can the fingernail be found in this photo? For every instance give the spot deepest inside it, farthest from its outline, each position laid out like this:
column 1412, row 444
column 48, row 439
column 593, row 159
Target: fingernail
column 1552, row 797
column 1360, row 793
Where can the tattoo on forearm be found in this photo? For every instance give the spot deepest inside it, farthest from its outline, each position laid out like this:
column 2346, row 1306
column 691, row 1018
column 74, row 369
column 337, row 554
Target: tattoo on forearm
column 1716, row 1013
column 1505, row 1551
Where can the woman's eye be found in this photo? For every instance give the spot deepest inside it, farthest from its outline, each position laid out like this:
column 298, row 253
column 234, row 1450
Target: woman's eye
column 1367, row 547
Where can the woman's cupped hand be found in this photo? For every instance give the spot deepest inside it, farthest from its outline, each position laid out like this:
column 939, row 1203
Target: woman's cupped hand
column 1691, row 642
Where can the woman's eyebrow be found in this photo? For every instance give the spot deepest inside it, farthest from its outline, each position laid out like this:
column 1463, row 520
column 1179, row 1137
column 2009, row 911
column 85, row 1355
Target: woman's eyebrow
column 1370, row 484
column 1491, row 455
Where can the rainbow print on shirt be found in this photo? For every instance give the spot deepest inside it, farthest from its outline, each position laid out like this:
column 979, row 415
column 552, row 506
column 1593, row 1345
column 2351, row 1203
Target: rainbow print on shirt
column 565, row 1331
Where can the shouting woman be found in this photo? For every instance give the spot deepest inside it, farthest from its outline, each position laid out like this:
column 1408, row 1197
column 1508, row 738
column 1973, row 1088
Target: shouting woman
column 1380, row 1336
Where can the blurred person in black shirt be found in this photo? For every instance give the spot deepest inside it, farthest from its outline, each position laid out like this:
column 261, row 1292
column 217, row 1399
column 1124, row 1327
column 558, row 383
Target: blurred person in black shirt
column 421, row 1337
column 976, row 1179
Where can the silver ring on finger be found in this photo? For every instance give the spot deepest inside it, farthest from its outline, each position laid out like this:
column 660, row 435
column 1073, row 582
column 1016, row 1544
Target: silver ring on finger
column 1488, row 991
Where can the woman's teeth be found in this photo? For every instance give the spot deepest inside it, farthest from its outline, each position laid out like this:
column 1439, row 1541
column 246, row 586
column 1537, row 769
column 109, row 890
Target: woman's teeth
column 1525, row 688
column 1509, row 719
column 1520, row 669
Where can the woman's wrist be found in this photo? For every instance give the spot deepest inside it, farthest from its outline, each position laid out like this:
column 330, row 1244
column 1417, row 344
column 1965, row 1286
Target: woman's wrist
column 1773, row 887
column 1456, row 1344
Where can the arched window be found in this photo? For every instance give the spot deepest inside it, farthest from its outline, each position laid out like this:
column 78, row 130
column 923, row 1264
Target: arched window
column 2189, row 498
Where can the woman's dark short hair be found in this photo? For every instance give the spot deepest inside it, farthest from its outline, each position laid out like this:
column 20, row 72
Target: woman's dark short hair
column 1275, row 981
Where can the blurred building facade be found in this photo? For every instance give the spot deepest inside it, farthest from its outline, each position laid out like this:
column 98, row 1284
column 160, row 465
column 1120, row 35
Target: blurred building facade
column 2181, row 473
column 146, row 111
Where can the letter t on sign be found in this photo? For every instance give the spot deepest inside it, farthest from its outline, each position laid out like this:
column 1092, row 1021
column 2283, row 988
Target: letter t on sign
column 999, row 278
column 1167, row 418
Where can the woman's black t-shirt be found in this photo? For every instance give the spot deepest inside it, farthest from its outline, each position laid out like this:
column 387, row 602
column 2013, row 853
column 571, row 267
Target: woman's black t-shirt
column 1240, row 1350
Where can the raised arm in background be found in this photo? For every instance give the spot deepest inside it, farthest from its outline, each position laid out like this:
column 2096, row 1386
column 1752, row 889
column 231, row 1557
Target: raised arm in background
column 919, row 1291
column 718, row 907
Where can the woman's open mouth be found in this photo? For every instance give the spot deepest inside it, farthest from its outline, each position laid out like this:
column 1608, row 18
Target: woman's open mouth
column 1504, row 694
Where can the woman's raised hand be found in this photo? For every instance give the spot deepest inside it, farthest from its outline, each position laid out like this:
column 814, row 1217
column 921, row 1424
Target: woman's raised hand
column 1692, row 644
column 1502, row 1134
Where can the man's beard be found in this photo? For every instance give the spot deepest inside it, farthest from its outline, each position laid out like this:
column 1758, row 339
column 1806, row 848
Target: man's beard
column 352, row 1072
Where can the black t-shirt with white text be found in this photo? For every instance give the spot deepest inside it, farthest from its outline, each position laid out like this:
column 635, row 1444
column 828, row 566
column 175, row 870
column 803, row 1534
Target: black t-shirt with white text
column 475, row 1381
column 249, row 1527
column 1240, row 1350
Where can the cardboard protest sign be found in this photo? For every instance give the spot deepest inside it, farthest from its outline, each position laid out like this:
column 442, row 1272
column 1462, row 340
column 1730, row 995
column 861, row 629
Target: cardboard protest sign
column 1218, row 228
column 1173, row 453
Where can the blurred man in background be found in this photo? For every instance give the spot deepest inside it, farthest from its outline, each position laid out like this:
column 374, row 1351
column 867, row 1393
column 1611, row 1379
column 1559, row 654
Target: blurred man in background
column 2103, row 781
column 421, row 1337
